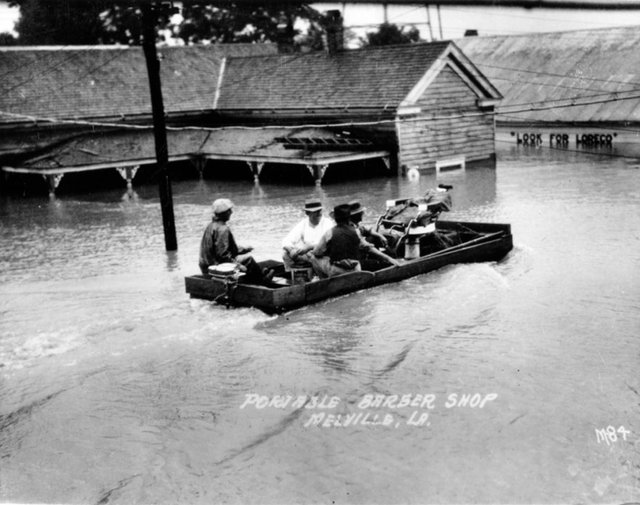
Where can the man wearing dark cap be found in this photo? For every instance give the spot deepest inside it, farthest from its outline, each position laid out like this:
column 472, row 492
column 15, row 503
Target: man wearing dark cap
column 367, row 232
column 219, row 246
column 339, row 249
column 304, row 236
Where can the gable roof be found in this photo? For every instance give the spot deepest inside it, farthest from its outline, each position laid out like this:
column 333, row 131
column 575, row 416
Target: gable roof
column 109, row 81
column 99, row 82
column 576, row 76
column 375, row 77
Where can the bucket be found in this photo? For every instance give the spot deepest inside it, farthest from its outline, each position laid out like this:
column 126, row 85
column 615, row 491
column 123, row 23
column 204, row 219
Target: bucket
column 412, row 249
column 300, row 275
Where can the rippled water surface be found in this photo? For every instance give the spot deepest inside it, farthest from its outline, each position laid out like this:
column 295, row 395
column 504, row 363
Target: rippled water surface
column 115, row 387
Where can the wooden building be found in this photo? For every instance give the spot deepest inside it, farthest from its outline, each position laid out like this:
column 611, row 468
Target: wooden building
column 79, row 109
column 575, row 89
column 426, row 103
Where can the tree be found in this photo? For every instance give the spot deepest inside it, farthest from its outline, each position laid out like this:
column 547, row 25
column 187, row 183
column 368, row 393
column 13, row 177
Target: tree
column 242, row 22
column 48, row 22
column 123, row 25
column 43, row 22
column 389, row 33
column 7, row 39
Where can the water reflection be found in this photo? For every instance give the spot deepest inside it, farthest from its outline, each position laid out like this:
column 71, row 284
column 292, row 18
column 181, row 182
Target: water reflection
column 87, row 290
column 130, row 194
column 173, row 261
column 473, row 187
column 258, row 192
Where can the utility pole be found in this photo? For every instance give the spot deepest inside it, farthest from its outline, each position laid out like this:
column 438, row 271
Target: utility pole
column 426, row 6
column 149, row 18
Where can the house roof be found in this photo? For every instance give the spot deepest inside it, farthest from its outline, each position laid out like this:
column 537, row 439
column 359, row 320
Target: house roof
column 99, row 82
column 109, row 81
column 372, row 77
column 576, row 76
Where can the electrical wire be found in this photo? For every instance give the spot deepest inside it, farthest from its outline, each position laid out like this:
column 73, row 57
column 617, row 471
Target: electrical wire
column 42, row 73
column 525, row 107
column 22, row 68
column 553, row 85
column 510, row 16
column 604, row 97
column 552, row 74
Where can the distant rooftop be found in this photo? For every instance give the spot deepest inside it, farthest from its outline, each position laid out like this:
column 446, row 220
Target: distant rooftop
column 552, row 71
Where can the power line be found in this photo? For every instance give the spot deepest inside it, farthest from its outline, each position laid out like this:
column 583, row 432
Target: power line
column 536, row 106
column 42, row 73
column 552, row 74
column 555, row 85
column 529, row 17
column 23, row 67
column 525, row 107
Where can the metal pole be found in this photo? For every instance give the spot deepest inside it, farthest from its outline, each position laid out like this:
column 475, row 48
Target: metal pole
column 439, row 21
column 426, row 6
column 159, row 130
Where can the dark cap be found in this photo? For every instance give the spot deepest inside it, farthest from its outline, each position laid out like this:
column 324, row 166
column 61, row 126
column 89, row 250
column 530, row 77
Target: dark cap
column 312, row 206
column 355, row 207
column 341, row 213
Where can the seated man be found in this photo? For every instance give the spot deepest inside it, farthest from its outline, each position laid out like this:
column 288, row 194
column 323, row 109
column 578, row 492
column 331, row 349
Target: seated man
column 367, row 232
column 304, row 236
column 339, row 249
column 219, row 246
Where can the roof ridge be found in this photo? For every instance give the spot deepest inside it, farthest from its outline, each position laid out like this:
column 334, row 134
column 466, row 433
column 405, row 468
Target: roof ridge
column 107, row 47
column 557, row 32
column 101, row 47
column 319, row 52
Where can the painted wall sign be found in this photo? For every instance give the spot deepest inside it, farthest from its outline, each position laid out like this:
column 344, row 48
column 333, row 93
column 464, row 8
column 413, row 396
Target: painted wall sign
column 565, row 139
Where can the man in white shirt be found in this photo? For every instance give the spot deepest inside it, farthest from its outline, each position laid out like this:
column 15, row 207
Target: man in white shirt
column 304, row 236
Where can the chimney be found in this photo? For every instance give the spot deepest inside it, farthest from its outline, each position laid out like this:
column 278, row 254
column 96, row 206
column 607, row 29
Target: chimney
column 333, row 36
column 284, row 35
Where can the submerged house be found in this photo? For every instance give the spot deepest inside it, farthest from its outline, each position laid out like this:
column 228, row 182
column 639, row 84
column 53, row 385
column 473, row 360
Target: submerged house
column 425, row 103
column 81, row 109
column 574, row 89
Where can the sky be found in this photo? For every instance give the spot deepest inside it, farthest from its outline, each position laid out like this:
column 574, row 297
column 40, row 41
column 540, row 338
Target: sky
column 452, row 21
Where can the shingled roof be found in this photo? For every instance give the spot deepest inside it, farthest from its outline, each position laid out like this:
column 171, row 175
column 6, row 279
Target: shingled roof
column 576, row 76
column 371, row 77
column 109, row 81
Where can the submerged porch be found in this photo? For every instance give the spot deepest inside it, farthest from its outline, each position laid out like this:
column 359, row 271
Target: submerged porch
column 314, row 149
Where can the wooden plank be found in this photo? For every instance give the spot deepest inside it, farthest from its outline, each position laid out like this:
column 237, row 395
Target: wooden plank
column 480, row 250
column 291, row 296
column 335, row 286
column 199, row 286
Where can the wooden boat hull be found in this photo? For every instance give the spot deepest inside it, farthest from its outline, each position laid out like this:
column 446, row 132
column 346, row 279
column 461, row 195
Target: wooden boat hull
column 493, row 244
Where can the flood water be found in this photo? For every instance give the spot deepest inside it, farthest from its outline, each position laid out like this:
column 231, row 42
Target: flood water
column 115, row 387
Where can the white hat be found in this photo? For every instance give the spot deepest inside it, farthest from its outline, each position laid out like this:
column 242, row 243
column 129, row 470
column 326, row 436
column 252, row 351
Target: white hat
column 312, row 205
column 221, row 205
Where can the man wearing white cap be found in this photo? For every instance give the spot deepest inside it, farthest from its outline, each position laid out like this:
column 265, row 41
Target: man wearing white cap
column 304, row 236
column 219, row 246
